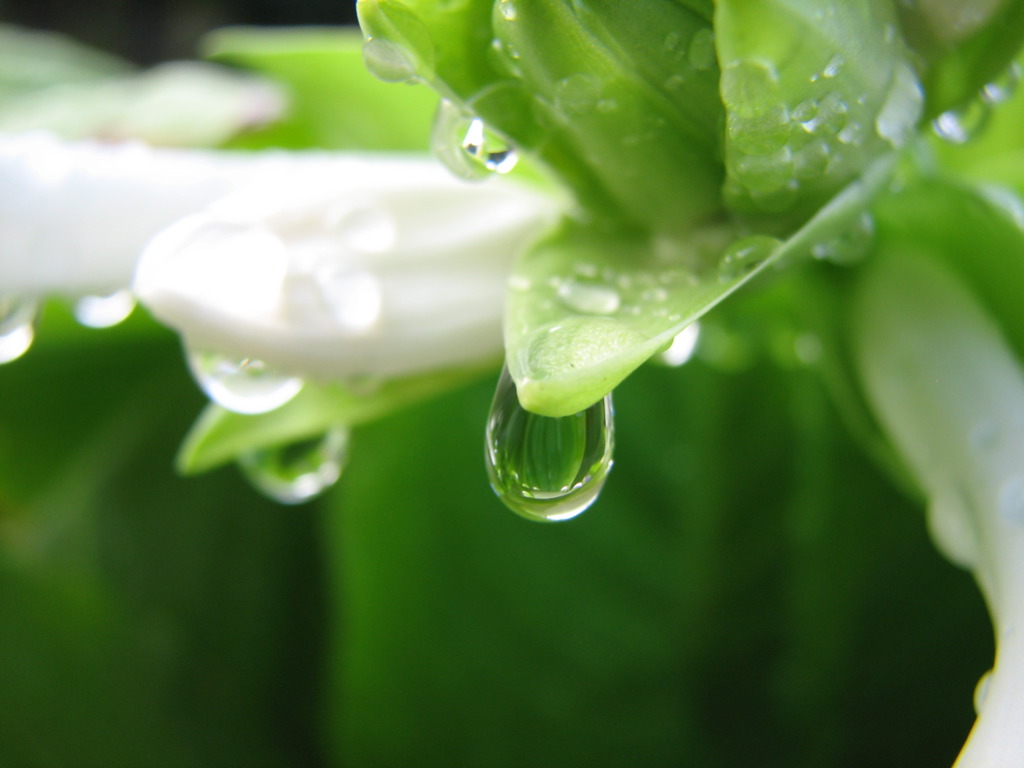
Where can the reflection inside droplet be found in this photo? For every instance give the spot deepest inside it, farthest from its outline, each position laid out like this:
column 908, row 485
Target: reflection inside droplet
column 300, row 471
column 242, row 385
column 547, row 469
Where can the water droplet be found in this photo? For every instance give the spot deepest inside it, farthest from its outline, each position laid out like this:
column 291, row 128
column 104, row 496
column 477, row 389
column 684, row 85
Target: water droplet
column 1003, row 87
column 681, row 348
column 104, row 311
column 812, row 160
column 701, row 54
column 388, row 61
column 467, row 147
column 745, row 255
column 902, row 107
column 1011, row 500
column 981, row 692
column 299, row 472
column 507, row 9
column 851, row 246
column 834, row 65
column 589, row 298
column 958, row 126
column 764, row 173
column 17, row 327
column 242, row 385
column 578, row 94
column 547, row 469
column 757, row 119
column 833, row 113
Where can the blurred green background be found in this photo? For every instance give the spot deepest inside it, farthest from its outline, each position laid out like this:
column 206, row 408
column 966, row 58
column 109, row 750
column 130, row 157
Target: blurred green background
column 749, row 590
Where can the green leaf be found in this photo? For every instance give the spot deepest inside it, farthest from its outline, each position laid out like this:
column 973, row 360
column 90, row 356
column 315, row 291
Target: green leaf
column 221, row 436
column 812, row 94
column 334, row 102
column 746, row 586
column 586, row 307
column 578, row 87
column 965, row 44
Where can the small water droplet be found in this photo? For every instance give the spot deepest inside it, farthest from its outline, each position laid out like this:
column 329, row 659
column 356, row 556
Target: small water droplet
column 701, row 54
column 745, row 255
column 388, row 61
column 958, row 126
column 589, row 298
column 17, row 327
column 1011, row 500
column 547, row 469
column 507, row 9
column 467, row 147
column 104, row 311
column 981, row 692
column 851, row 246
column 902, row 107
column 1003, row 87
column 834, row 65
column 681, row 348
column 578, row 94
column 242, row 385
column 299, row 472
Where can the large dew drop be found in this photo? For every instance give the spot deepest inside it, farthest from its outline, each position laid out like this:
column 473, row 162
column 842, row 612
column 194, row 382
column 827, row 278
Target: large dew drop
column 299, row 472
column 467, row 147
column 745, row 255
column 547, row 469
column 17, row 327
column 242, row 385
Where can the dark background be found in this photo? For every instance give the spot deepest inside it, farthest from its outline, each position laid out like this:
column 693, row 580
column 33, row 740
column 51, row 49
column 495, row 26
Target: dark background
column 149, row 31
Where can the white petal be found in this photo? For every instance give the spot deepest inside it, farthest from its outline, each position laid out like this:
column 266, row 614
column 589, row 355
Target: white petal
column 361, row 265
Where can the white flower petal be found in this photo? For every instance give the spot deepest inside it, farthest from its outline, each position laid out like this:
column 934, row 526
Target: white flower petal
column 358, row 266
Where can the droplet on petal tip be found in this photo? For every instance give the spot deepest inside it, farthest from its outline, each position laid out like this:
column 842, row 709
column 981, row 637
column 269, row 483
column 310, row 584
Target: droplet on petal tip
column 300, row 471
column 242, row 384
column 547, row 469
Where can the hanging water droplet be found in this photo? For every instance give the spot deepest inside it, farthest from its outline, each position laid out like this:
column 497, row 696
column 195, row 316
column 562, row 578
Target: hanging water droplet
column 388, row 61
column 834, row 65
column 547, row 469
column 681, row 349
column 851, row 246
column 299, row 472
column 17, row 327
column 465, row 145
column 958, row 126
column 242, row 385
column 902, row 107
column 104, row 311
column 589, row 298
column 745, row 255
column 1004, row 86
